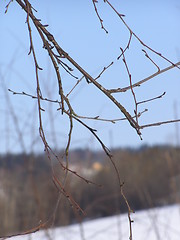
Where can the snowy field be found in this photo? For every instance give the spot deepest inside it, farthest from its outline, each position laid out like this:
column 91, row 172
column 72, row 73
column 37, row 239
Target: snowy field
column 155, row 224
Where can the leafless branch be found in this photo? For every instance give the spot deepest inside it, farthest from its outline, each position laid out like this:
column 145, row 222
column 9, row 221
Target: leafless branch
column 151, row 99
column 159, row 123
column 7, row 6
column 139, row 83
column 96, row 118
column 130, row 80
column 100, row 19
column 60, row 59
column 61, row 52
column 133, row 33
column 127, row 47
column 158, row 69
column 104, row 69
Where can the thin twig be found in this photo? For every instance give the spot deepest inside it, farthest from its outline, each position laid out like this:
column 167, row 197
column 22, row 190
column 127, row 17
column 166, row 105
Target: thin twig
column 127, row 47
column 133, row 33
column 7, row 6
column 151, row 99
column 146, row 55
column 97, row 118
column 158, row 123
column 139, row 83
column 100, row 19
column 78, row 81
column 130, row 80
column 104, row 69
column 61, row 52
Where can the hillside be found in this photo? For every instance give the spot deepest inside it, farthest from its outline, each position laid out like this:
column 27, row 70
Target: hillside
column 150, row 177
column 157, row 223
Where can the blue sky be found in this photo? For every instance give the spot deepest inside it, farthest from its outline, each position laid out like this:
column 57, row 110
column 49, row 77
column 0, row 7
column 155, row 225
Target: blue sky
column 77, row 30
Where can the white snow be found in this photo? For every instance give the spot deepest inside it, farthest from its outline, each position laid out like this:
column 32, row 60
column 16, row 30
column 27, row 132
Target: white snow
column 154, row 224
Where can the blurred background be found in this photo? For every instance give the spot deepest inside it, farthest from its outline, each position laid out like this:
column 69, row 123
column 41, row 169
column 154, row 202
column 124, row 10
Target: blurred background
column 149, row 168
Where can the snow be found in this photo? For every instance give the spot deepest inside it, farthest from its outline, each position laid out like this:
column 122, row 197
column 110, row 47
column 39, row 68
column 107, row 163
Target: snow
column 154, row 224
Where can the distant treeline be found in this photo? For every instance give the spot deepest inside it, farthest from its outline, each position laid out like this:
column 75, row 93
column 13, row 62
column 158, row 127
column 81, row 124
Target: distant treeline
column 28, row 195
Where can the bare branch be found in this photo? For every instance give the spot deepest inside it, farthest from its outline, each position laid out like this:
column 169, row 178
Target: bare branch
column 158, row 123
column 142, row 43
column 137, row 84
column 7, row 6
column 158, row 69
column 100, row 19
column 61, row 52
column 151, row 99
column 130, row 80
column 127, row 47
column 104, row 69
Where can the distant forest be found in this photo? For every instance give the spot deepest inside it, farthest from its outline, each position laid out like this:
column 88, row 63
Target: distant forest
column 150, row 176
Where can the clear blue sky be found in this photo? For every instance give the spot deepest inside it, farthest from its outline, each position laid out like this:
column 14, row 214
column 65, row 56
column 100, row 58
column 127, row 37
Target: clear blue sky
column 76, row 27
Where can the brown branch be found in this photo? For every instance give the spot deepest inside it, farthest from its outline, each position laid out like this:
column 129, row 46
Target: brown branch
column 137, row 84
column 56, row 69
column 104, row 69
column 62, row 53
column 7, row 6
column 52, row 46
column 151, row 99
column 37, row 68
column 159, row 123
column 39, row 95
column 97, row 118
column 32, row 230
column 67, row 195
column 130, row 80
column 115, row 168
column 146, row 55
column 127, row 47
column 78, row 81
column 100, row 19
column 141, row 42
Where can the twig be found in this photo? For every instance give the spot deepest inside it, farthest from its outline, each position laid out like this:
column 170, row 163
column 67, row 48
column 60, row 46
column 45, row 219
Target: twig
column 133, row 33
column 100, row 19
column 159, row 123
column 78, row 81
column 130, row 80
column 137, row 84
column 97, row 118
column 104, row 69
column 158, row 69
column 151, row 99
column 61, row 52
column 127, row 47
column 7, row 6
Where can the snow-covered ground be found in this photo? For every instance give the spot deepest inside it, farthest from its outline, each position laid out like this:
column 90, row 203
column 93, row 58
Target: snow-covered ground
column 154, row 224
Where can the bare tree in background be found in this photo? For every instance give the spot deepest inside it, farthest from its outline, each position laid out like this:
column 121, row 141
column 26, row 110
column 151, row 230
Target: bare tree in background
column 60, row 59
